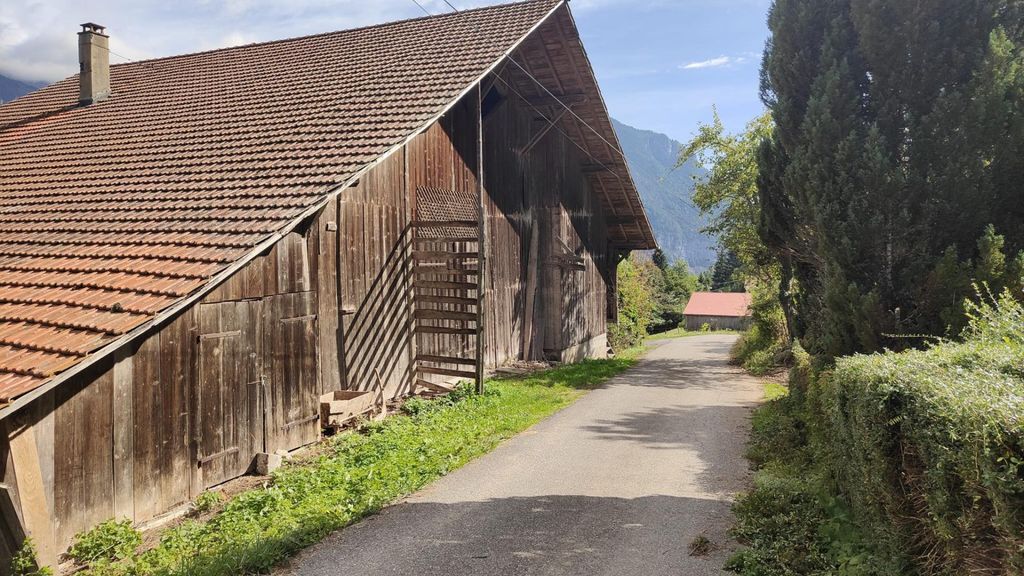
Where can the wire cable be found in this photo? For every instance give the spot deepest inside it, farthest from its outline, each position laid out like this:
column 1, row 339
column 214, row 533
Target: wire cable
column 554, row 97
column 548, row 92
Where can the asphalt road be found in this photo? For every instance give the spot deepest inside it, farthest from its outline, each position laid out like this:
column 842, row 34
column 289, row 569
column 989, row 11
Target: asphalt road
column 617, row 484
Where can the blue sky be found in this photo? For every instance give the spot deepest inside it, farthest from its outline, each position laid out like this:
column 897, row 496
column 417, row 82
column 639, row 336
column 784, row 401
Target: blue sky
column 662, row 64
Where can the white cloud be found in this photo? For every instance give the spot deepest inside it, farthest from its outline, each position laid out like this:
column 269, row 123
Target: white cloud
column 714, row 62
column 38, row 39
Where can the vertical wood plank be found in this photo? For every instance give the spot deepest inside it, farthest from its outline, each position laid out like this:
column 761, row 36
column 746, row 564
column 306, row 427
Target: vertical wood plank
column 124, row 433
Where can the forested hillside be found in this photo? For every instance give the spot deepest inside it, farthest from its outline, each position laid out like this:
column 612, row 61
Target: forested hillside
column 667, row 194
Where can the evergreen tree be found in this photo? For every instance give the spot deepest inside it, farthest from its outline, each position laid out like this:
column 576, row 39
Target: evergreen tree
column 724, row 277
column 899, row 139
column 660, row 260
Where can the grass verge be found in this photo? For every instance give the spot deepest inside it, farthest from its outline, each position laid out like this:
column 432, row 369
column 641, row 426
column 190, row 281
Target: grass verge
column 793, row 522
column 357, row 474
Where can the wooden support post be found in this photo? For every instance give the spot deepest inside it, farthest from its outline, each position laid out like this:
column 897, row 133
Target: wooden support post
column 483, row 245
column 35, row 511
column 532, row 269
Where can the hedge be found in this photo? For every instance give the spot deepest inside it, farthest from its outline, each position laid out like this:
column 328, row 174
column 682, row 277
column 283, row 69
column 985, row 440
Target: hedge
column 928, row 446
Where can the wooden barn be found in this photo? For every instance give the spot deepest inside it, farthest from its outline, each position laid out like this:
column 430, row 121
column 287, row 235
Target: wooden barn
column 194, row 249
column 718, row 311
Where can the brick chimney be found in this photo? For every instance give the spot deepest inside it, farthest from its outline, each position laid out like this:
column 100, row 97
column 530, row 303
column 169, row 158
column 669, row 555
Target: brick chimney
column 94, row 60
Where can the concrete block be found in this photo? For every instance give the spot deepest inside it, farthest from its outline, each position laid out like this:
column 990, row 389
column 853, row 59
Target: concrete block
column 267, row 463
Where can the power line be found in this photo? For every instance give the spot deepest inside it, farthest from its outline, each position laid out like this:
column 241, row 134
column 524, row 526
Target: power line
column 425, row 11
column 551, row 122
column 122, row 56
column 548, row 92
column 554, row 123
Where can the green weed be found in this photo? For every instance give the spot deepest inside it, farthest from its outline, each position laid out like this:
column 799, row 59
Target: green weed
column 24, row 562
column 110, row 541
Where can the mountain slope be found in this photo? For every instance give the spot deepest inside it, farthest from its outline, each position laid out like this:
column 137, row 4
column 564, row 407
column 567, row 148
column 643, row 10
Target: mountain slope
column 667, row 193
column 11, row 88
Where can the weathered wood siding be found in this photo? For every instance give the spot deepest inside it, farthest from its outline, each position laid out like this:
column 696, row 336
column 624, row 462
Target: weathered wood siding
column 374, row 260
column 540, row 208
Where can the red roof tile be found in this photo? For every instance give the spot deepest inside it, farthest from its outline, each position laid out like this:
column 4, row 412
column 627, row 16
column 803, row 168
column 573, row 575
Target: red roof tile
column 718, row 304
column 112, row 212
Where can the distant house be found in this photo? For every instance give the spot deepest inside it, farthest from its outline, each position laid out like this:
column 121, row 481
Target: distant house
column 194, row 249
column 718, row 310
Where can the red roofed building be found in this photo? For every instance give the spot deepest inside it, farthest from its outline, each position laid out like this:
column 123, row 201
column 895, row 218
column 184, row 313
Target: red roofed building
column 195, row 249
column 718, row 310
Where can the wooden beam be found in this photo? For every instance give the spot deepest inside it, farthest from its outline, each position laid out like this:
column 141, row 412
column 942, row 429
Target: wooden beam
column 445, row 330
column 124, row 446
column 445, row 224
column 482, row 231
column 446, row 315
column 35, row 511
column 447, row 372
column 441, row 256
column 570, row 99
column 439, row 271
column 422, row 284
column 595, row 168
column 445, row 360
column 447, row 300
column 447, row 240
column 620, row 220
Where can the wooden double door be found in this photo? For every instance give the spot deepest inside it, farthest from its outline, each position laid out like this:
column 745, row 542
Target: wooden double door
column 257, row 386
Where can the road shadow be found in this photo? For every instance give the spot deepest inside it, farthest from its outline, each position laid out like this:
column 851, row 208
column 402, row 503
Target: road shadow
column 568, row 535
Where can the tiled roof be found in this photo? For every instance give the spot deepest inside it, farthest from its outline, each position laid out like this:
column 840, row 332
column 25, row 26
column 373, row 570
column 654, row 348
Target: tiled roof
column 113, row 212
column 718, row 304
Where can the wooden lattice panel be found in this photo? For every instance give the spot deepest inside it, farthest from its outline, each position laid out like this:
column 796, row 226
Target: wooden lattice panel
column 444, row 205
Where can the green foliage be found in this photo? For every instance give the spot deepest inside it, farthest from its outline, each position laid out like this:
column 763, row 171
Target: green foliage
column 765, row 347
column 727, row 195
column 357, row 474
column 207, row 501
column 726, row 273
column 637, row 282
column 789, row 523
column 779, row 522
column 672, row 290
column 24, row 563
column 928, row 447
column 898, row 142
column 109, row 541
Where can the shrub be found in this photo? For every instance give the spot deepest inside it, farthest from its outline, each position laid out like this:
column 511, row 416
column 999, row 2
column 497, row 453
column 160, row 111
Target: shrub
column 928, row 446
column 24, row 563
column 636, row 305
column 790, row 522
column 110, row 541
column 207, row 501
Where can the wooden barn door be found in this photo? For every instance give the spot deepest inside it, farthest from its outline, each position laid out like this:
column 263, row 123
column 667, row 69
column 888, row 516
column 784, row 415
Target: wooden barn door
column 227, row 427
column 291, row 371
